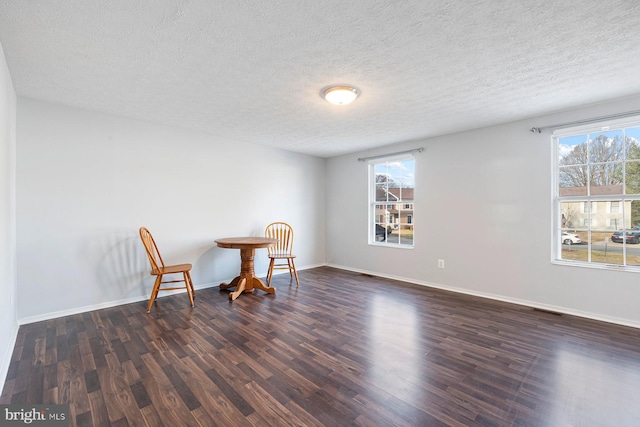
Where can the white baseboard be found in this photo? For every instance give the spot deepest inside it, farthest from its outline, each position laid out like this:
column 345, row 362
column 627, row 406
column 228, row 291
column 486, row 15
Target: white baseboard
column 526, row 303
column 109, row 304
column 8, row 353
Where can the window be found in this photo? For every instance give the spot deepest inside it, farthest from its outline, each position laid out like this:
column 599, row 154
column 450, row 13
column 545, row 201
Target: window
column 597, row 195
column 588, row 222
column 391, row 215
column 614, row 207
column 589, row 205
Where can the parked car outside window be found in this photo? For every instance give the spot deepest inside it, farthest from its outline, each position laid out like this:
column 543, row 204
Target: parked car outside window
column 570, row 239
column 630, row 237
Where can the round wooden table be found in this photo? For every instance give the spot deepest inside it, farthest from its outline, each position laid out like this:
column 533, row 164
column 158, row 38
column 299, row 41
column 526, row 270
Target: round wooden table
column 247, row 280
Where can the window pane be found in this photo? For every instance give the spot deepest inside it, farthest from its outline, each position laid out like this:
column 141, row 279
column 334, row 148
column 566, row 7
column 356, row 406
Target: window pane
column 633, row 254
column 603, row 249
column 393, row 236
column 623, row 247
column 634, row 212
column 571, row 215
column 401, row 173
column 574, row 245
column 632, row 177
column 406, row 234
column 573, row 150
column 382, row 181
column 606, row 147
column 379, row 232
column 606, row 178
column 573, row 181
column 632, row 138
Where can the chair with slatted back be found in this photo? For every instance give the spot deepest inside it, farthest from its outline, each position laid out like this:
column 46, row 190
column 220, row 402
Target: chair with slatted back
column 282, row 251
column 159, row 270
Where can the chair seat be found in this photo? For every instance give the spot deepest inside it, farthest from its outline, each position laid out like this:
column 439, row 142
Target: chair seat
column 281, row 256
column 168, row 269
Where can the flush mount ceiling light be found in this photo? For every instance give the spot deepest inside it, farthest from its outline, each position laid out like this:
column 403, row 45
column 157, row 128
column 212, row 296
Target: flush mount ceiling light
column 340, row 95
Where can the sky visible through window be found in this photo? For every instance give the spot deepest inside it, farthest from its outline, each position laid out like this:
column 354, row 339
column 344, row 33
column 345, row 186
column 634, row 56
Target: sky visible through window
column 401, row 172
column 567, row 144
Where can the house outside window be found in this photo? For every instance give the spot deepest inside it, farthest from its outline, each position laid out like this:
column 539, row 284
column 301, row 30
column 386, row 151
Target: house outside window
column 391, row 197
column 597, row 194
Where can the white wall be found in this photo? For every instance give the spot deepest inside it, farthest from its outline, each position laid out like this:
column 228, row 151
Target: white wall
column 8, row 325
column 483, row 204
column 87, row 181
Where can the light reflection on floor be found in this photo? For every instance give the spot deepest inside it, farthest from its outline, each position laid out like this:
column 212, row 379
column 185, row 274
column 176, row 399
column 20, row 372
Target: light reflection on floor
column 581, row 377
column 396, row 352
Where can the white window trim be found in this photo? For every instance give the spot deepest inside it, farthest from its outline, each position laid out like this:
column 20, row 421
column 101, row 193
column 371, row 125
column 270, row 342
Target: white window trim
column 371, row 202
column 556, row 245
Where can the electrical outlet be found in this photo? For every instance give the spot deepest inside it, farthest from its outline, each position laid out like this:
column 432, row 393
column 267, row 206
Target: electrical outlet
column 440, row 263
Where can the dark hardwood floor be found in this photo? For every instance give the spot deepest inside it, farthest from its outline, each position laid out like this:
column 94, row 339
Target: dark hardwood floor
column 341, row 349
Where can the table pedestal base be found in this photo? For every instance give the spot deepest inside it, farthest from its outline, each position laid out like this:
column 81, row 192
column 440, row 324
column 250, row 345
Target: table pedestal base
column 247, row 281
column 241, row 286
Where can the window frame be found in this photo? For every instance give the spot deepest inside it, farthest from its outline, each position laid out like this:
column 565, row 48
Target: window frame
column 592, row 200
column 399, row 204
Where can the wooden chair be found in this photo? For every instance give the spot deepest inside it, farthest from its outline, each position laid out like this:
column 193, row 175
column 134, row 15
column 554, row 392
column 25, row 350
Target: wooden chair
column 281, row 251
column 158, row 269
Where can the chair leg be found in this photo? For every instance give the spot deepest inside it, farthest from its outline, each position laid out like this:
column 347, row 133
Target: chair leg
column 270, row 272
column 193, row 291
column 293, row 265
column 289, row 265
column 154, row 292
column 266, row 279
column 188, row 286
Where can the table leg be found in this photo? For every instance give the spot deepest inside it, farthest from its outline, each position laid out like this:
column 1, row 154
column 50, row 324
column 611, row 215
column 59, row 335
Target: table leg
column 259, row 284
column 233, row 283
column 240, row 289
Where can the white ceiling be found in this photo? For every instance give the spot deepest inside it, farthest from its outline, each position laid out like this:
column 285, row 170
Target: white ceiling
column 253, row 70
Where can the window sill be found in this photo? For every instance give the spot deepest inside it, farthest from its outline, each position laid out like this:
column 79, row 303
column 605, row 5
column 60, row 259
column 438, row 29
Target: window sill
column 390, row 245
column 611, row 267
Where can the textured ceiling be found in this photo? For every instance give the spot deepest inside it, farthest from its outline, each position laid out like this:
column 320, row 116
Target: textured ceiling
column 253, row 70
